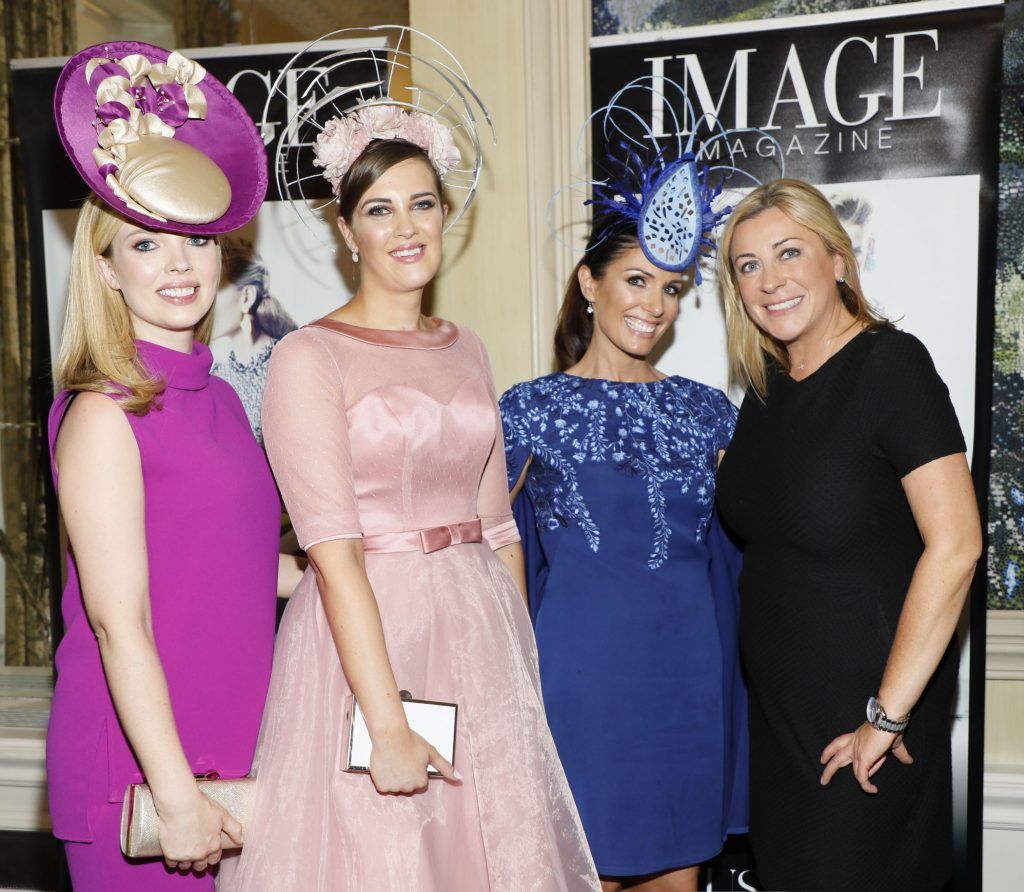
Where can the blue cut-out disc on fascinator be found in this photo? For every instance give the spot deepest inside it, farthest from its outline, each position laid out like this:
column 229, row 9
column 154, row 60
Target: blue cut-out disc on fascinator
column 672, row 219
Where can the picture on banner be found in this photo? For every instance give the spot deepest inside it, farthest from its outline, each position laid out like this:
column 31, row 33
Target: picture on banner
column 871, row 107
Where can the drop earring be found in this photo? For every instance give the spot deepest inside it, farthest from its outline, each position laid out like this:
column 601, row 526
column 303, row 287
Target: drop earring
column 590, row 308
column 355, row 257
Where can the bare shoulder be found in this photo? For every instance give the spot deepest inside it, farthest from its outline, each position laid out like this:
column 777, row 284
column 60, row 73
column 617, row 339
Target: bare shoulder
column 95, row 429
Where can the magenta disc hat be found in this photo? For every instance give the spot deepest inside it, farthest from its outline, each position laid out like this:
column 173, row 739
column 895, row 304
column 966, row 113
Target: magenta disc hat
column 159, row 139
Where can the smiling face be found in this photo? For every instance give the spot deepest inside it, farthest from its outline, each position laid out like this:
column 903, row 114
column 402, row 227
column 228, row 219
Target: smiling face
column 786, row 277
column 396, row 229
column 168, row 281
column 634, row 303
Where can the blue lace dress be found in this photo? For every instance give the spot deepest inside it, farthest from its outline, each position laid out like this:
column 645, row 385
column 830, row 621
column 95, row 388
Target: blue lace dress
column 632, row 586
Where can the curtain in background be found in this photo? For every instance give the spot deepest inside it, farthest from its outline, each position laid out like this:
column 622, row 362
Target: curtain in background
column 28, row 28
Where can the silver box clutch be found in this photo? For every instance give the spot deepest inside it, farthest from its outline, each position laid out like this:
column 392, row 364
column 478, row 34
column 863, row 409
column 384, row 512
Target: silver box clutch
column 139, row 820
column 434, row 722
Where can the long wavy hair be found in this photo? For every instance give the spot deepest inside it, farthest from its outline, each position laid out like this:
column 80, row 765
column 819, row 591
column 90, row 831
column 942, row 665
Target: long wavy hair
column 97, row 349
column 750, row 349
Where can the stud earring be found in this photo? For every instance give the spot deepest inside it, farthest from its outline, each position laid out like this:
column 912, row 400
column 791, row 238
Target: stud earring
column 355, row 257
column 841, row 280
column 590, row 308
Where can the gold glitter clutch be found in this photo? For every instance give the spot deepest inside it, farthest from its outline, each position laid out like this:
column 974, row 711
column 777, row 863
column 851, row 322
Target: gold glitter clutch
column 139, row 837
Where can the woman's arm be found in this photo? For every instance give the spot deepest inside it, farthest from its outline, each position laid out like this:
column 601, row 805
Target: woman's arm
column 291, row 564
column 400, row 757
column 941, row 496
column 305, row 429
column 518, row 488
column 102, row 500
column 290, row 570
column 512, row 555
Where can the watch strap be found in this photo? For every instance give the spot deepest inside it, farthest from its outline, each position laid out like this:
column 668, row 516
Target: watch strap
column 878, row 719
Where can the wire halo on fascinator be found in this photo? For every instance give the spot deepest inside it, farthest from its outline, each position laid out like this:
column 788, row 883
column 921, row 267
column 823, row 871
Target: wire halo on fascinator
column 663, row 185
column 353, row 115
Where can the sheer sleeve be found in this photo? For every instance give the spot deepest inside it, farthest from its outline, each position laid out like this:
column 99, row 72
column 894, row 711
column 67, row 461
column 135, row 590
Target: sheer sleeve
column 493, row 504
column 305, row 431
column 907, row 409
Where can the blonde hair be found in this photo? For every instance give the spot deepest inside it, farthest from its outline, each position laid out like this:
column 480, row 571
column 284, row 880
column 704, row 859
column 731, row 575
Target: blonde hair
column 750, row 349
column 97, row 349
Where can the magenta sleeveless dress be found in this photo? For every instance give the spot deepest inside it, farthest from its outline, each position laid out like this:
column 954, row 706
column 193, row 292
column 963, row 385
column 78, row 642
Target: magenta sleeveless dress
column 212, row 530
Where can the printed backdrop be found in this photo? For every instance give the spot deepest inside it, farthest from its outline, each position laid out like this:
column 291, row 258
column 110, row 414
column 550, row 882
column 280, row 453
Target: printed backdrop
column 1006, row 478
column 872, row 106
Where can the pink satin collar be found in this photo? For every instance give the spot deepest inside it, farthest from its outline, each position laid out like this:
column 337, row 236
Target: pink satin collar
column 443, row 335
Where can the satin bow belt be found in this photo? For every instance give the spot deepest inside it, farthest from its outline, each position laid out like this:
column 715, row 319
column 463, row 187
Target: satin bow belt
column 432, row 539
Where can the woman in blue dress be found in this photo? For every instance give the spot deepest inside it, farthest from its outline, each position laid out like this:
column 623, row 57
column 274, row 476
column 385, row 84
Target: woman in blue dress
column 632, row 585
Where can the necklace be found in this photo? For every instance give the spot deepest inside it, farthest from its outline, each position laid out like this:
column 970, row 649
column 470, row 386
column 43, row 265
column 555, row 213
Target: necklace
column 830, row 342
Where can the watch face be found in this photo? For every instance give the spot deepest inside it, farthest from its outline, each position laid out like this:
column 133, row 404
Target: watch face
column 872, row 710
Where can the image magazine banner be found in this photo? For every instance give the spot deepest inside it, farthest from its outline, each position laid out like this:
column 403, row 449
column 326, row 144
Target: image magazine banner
column 874, row 108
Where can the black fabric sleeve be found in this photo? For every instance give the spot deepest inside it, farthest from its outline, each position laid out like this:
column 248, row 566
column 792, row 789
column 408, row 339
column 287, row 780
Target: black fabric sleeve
column 908, row 414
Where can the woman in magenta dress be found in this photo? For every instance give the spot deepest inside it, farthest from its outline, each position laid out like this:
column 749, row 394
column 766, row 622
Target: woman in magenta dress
column 382, row 428
column 171, row 512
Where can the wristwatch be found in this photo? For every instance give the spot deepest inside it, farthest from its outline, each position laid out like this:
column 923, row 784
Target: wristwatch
column 878, row 719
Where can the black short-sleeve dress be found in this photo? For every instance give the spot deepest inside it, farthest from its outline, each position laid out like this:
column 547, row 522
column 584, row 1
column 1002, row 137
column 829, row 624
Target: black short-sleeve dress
column 812, row 483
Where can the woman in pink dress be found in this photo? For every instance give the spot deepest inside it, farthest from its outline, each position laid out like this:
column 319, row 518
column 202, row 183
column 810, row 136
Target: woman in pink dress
column 170, row 508
column 382, row 428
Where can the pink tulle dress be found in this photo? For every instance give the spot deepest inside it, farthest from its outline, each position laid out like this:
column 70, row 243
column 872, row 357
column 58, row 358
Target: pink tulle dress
column 394, row 437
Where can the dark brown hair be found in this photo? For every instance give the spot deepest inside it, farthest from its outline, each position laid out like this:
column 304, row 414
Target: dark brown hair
column 377, row 159
column 575, row 325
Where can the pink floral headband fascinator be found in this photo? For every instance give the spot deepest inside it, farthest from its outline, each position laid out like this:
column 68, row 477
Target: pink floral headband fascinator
column 354, row 87
column 344, row 139
column 159, row 139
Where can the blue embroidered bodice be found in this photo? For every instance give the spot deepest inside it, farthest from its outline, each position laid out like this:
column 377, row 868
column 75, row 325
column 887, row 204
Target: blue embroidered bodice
column 663, row 436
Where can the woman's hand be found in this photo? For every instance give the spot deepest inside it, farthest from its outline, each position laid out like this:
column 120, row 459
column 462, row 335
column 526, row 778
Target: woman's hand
column 190, row 832
column 398, row 763
column 865, row 749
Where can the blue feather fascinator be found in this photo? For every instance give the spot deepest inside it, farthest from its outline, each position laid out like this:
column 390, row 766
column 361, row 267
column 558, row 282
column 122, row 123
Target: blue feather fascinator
column 663, row 186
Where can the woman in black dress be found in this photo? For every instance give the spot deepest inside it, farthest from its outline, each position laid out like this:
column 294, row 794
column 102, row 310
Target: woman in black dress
column 847, row 478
